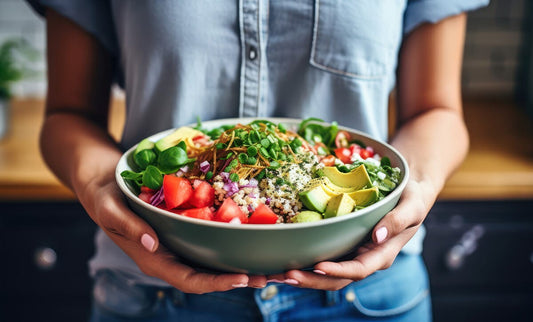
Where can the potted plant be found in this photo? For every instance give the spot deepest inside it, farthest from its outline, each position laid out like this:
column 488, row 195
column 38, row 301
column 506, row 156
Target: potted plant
column 15, row 56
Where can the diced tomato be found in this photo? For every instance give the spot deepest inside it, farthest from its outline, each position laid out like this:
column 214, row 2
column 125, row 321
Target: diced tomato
column 342, row 139
column 146, row 189
column 177, row 190
column 201, row 140
column 370, row 150
column 146, row 195
column 203, row 194
column 229, row 210
column 344, row 154
column 205, row 213
column 328, row 161
column 355, row 148
column 364, row 153
column 263, row 215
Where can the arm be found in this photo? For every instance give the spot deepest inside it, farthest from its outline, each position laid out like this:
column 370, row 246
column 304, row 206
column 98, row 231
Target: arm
column 78, row 149
column 431, row 135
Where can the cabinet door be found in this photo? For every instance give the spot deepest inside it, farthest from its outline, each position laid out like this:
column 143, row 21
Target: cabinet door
column 479, row 256
column 47, row 246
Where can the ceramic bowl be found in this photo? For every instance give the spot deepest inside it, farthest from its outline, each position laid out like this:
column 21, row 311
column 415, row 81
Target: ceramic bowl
column 264, row 249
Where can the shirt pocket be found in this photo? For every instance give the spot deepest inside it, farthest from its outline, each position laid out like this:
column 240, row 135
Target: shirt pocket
column 357, row 39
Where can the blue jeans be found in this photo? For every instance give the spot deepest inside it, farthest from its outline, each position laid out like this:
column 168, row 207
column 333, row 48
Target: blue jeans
column 400, row 293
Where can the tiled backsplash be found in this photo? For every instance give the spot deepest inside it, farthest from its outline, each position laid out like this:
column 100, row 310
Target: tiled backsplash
column 491, row 59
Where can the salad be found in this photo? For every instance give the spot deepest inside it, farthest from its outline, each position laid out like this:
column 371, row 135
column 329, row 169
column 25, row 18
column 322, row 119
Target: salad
column 260, row 173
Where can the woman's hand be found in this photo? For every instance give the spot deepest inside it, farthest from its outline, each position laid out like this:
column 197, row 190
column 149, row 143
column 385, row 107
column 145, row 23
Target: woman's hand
column 76, row 146
column 137, row 239
column 431, row 136
column 388, row 238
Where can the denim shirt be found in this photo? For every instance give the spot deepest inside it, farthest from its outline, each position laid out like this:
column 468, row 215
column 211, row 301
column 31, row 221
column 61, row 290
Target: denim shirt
column 179, row 60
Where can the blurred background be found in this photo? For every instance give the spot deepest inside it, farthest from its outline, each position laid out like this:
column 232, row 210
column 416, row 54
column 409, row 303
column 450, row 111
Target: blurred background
column 479, row 245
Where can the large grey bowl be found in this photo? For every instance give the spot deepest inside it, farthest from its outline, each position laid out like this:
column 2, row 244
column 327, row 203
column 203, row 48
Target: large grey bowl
column 264, row 249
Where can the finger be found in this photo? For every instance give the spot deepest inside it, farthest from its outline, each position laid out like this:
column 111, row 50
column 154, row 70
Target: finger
column 257, row 281
column 410, row 212
column 119, row 222
column 189, row 280
column 314, row 280
column 379, row 257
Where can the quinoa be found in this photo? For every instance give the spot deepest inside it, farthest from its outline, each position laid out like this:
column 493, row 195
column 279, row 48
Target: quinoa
column 279, row 190
column 283, row 185
column 247, row 198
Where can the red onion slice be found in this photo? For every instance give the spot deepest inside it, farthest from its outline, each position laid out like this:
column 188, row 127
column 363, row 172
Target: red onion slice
column 205, row 166
column 157, row 198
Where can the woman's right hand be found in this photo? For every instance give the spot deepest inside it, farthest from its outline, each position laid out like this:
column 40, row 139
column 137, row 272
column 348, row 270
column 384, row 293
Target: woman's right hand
column 139, row 241
column 78, row 149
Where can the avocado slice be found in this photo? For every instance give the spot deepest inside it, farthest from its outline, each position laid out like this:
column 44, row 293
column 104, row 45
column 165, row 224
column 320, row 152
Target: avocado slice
column 339, row 205
column 329, row 187
column 315, row 198
column 356, row 179
column 143, row 145
column 307, row 216
column 365, row 197
column 173, row 138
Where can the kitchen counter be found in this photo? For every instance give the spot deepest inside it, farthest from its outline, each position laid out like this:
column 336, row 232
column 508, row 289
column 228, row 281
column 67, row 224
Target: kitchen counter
column 498, row 166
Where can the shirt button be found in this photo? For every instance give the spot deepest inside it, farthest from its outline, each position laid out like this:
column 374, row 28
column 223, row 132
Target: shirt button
column 350, row 296
column 252, row 53
column 269, row 292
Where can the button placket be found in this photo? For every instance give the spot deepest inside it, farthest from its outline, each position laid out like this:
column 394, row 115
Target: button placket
column 250, row 24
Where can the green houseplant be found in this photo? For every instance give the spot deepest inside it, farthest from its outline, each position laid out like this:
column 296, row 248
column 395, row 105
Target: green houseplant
column 15, row 56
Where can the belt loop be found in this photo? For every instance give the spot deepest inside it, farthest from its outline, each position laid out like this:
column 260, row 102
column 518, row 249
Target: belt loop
column 332, row 298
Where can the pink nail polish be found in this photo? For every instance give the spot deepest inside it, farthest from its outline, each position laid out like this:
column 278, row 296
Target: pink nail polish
column 381, row 234
column 319, row 272
column 291, row 281
column 148, row 242
column 239, row 285
column 274, row 281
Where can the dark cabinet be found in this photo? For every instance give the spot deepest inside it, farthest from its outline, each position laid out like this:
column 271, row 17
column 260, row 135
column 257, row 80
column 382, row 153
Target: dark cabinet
column 480, row 260
column 45, row 247
column 479, row 255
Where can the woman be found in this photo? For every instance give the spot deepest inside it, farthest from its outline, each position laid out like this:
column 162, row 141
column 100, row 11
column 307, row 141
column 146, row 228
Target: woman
column 179, row 60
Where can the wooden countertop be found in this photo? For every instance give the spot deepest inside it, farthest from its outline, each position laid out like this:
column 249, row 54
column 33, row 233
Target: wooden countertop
column 499, row 165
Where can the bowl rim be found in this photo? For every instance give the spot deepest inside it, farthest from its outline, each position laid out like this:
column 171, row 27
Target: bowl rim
column 359, row 213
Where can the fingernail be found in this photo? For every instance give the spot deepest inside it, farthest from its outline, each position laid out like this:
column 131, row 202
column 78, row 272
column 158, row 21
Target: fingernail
column 319, row 272
column 257, row 286
column 381, row 234
column 239, row 285
column 291, row 281
column 148, row 242
column 274, row 281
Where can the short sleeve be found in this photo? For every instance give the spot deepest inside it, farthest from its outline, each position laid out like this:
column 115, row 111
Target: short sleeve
column 94, row 16
column 432, row 11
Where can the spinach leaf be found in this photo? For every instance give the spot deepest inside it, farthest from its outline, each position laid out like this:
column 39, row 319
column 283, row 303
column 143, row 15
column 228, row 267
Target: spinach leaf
column 172, row 159
column 152, row 178
column 144, row 158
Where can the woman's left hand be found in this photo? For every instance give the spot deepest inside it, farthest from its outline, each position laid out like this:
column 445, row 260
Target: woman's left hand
column 388, row 238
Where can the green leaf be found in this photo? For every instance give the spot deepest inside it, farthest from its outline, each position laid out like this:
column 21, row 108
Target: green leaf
column 152, row 178
column 172, row 159
column 385, row 161
column 130, row 175
column 144, row 158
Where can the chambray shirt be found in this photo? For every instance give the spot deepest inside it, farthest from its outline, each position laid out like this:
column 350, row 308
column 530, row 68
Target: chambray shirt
column 179, row 60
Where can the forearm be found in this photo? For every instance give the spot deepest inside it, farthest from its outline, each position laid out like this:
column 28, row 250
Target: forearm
column 434, row 143
column 77, row 150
